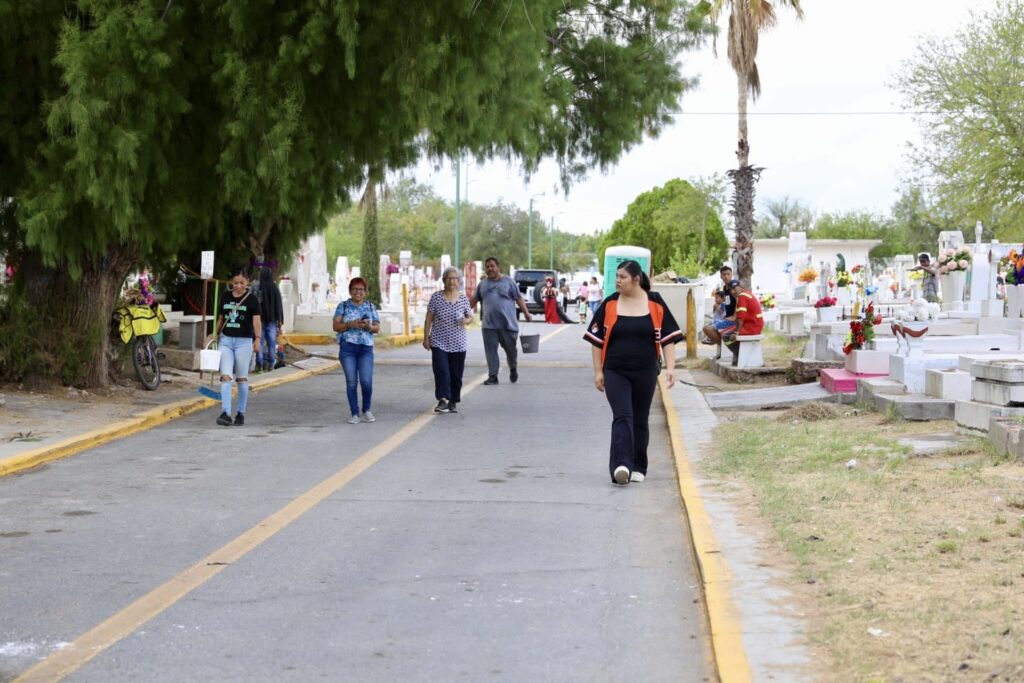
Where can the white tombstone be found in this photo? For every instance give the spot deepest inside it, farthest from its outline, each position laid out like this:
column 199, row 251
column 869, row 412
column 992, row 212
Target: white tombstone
column 904, row 262
column 342, row 273
column 950, row 239
column 446, row 261
column 288, row 303
column 404, row 259
column 799, row 257
column 384, row 278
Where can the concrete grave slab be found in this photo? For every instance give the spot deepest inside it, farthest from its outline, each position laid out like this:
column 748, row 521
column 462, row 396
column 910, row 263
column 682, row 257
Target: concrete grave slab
column 1009, row 371
column 999, row 393
column 951, row 384
column 768, row 397
column 931, row 444
column 973, row 416
column 865, row 362
column 909, row 370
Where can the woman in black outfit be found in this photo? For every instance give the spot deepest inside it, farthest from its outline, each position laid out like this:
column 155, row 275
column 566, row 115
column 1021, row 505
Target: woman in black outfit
column 630, row 331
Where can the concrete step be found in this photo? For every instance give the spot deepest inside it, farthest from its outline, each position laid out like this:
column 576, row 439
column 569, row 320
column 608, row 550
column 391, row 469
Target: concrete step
column 807, row 369
column 915, row 407
column 841, row 381
column 768, row 397
column 973, row 417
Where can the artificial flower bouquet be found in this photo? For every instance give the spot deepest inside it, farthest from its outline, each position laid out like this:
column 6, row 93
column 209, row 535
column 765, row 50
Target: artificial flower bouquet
column 954, row 259
column 767, row 302
column 862, row 330
column 808, row 275
column 825, row 302
column 920, row 310
column 843, row 279
column 1013, row 266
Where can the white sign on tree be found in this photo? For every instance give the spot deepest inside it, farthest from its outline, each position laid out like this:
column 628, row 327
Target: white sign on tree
column 206, row 266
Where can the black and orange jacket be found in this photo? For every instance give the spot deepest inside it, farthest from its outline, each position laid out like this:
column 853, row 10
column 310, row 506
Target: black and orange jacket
column 666, row 329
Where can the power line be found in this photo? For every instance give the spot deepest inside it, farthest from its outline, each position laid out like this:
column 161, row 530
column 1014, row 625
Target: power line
column 810, row 113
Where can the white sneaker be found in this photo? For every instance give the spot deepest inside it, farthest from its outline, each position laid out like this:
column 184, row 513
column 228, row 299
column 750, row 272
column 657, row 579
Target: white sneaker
column 637, row 476
column 621, row 475
column 368, row 416
column 354, row 420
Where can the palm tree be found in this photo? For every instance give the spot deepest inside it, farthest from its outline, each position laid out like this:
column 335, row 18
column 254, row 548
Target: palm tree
column 747, row 18
column 369, row 262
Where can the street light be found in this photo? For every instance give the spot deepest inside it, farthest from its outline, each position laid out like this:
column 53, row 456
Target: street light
column 529, row 238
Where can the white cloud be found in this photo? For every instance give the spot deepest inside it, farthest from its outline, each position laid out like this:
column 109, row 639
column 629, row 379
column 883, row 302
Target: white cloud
column 842, row 58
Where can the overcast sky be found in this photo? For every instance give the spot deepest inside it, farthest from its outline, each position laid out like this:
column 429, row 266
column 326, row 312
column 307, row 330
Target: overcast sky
column 804, row 130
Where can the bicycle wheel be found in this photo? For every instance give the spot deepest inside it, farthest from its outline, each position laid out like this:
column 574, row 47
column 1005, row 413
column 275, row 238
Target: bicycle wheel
column 144, row 358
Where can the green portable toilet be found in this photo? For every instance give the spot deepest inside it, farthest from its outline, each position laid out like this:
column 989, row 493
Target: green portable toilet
column 613, row 256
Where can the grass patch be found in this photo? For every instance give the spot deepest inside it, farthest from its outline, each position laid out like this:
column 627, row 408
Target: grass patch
column 890, row 540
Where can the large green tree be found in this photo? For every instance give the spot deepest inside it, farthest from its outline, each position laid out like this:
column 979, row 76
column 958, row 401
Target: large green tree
column 747, row 19
column 674, row 222
column 965, row 90
column 135, row 132
column 784, row 215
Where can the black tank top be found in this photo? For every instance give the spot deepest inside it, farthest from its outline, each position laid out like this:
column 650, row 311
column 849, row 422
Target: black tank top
column 631, row 344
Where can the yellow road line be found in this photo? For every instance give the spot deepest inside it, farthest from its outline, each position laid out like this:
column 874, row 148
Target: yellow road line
column 724, row 621
column 90, row 644
column 141, row 422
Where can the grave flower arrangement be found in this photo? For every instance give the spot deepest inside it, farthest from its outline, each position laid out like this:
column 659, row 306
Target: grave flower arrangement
column 954, row 259
column 920, row 310
column 1013, row 266
column 767, row 302
column 862, row 330
column 808, row 275
column 843, row 279
column 825, row 302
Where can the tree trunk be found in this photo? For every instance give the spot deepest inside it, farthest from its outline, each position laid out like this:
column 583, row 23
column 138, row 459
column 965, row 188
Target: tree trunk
column 369, row 261
column 76, row 315
column 743, row 180
column 742, row 211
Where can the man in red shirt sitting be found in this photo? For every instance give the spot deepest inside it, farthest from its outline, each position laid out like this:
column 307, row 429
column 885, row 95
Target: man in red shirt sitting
column 749, row 318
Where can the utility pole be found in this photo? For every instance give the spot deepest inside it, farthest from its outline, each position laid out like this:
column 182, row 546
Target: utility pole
column 551, row 245
column 529, row 232
column 458, row 176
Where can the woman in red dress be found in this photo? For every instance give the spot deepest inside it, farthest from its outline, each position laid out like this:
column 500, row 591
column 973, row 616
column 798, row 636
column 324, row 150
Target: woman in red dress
column 550, row 296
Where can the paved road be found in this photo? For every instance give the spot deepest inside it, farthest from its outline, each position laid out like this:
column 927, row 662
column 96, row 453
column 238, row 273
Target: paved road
column 486, row 545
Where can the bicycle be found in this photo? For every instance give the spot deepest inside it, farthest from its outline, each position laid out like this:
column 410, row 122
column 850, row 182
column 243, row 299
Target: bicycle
column 136, row 326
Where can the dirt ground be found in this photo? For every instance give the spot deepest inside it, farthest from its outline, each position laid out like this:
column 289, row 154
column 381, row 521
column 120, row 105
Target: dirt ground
column 907, row 566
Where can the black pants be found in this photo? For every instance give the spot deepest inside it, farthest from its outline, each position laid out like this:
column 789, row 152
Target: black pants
column 448, row 368
column 630, row 393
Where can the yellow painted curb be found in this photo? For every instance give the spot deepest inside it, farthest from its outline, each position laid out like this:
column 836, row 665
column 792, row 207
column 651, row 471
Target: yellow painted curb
column 141, row 422
column 724, row 621
column 315, row 339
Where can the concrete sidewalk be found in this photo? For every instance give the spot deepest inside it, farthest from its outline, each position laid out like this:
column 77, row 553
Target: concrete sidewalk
column 751, row 614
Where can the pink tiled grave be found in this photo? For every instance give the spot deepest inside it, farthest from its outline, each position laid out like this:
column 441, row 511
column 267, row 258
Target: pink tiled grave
column 842, row 381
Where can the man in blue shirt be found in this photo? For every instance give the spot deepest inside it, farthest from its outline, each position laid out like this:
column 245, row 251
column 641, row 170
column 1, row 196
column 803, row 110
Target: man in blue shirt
column 500, row 297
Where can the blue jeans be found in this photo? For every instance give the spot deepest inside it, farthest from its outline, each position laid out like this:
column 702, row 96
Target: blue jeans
column 357, row 362
column 235, row 356
column 268, row 348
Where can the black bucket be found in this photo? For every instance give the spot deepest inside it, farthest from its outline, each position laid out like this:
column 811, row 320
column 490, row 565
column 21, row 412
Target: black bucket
column 530, row 342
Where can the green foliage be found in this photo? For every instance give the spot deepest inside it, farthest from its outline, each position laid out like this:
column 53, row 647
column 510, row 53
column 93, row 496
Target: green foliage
column 416, row 219
column 31, row 350
column 144, row 132
column 966, row 88
column 784, row 216
column 677, row 223
column 860, row 225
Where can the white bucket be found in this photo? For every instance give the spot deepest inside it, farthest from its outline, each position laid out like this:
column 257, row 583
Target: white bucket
column 209, row 361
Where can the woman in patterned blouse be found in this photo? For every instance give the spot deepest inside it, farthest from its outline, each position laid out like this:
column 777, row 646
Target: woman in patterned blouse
column 444, row 335
column 356, row 321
